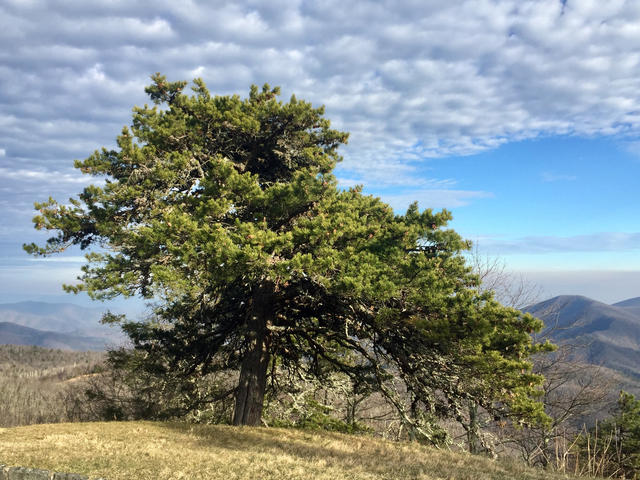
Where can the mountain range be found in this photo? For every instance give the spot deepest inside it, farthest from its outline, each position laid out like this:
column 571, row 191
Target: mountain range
column 14, row 334
column 56, row 325
column 607, row 335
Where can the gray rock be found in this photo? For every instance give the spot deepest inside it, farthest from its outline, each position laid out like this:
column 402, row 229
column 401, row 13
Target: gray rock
column 22, row 473
column 69, row 476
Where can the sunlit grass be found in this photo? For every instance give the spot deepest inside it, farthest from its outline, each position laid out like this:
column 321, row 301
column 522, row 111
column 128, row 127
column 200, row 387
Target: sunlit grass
column 154, row 450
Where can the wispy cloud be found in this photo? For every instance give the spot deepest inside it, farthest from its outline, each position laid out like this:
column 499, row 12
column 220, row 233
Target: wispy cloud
column 631, row 146
column 42, row 175
column 434, row 198
column 69, row 259
column 400, row 192
column 608, row 286
column 411, row 81
column 17, row 279
column 597, row 242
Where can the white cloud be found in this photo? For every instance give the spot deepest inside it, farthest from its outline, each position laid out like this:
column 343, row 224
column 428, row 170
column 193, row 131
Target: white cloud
column 596, row 242
column 42, row 175
column 410, row 80
column 434, row 198
column 68, row 259
column 453, row 79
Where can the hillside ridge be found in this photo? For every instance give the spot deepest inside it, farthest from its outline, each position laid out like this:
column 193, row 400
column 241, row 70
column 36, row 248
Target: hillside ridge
column 60, row 318
column 14, row 334
column 608, row 335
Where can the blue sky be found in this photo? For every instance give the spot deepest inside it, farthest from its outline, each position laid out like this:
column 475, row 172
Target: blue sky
column 521, row 117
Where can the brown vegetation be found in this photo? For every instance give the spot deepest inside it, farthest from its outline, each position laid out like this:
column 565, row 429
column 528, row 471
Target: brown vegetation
column 147, row 450
column 35, row 383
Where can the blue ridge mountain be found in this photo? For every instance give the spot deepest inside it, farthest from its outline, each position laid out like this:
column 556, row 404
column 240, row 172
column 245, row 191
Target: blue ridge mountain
column 11, row 333
column 607, row 335
column 632, row 305
column 80, row 326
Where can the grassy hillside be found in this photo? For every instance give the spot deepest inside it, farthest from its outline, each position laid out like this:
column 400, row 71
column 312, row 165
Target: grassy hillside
column 147, row 450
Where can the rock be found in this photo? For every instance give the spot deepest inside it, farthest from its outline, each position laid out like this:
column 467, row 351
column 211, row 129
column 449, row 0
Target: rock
column 22, row 473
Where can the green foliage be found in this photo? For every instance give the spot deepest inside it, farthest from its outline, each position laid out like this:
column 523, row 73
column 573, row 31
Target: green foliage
column 316, row 416
column 224, row 210
column 627, row 420
column 134, row 387
column 619, row 438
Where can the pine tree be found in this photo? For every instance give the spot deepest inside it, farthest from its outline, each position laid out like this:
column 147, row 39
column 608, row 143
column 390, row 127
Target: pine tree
column 620, row 435
column 225, row 212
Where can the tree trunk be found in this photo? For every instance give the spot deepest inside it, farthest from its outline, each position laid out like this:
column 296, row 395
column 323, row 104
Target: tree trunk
column 253, row 372
column 473, row 436
column 412, row 430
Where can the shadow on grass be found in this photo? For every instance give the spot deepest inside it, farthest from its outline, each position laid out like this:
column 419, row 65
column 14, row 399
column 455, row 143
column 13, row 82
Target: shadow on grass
column 365, row 452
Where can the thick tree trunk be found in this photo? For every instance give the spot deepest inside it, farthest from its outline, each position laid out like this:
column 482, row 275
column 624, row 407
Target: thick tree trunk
column 253, row 372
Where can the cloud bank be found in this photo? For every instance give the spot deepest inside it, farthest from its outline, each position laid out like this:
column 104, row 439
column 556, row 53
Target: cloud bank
column 410, row 80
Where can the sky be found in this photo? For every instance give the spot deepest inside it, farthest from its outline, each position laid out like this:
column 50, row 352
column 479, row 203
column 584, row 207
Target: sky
column 520, row 117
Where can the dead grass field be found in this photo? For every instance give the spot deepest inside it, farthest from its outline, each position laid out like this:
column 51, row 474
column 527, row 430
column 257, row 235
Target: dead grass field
column 155, row 450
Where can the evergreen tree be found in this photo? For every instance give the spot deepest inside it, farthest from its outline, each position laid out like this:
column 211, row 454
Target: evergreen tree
column 621, row 435
column 224, row 211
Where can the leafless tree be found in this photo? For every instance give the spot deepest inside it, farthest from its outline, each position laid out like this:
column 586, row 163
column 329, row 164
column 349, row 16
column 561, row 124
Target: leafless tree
column 511, row 289
column 572, row 392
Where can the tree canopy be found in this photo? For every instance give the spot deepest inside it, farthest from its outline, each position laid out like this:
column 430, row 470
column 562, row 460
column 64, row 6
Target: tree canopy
column 224, row 211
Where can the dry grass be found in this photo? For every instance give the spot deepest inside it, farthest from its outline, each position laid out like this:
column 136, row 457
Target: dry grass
column 148, row 450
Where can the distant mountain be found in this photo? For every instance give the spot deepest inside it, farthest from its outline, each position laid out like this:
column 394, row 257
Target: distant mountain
column 632, row 305
column 57, row 317
column 608, row 334
column 13, row 334
column 60, row 318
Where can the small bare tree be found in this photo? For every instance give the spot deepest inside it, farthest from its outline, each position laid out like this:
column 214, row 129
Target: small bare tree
column 572, row 392
column 510, row 288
